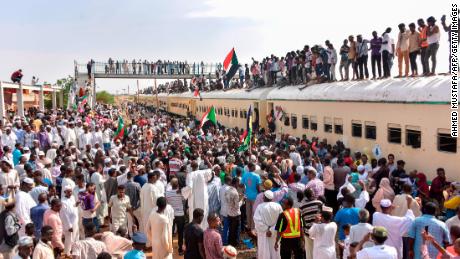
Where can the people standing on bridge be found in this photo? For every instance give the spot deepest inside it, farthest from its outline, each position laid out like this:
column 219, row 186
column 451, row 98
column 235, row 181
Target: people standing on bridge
column 133, row 64
column 88, row 68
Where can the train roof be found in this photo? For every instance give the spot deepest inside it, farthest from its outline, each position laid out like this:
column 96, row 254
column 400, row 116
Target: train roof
column 432, row 90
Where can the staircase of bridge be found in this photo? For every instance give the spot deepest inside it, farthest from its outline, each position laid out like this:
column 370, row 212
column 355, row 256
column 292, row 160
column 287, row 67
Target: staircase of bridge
column 172, row 71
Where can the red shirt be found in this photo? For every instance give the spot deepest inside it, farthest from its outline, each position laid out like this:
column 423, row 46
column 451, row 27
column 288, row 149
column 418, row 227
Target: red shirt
column 16, row 74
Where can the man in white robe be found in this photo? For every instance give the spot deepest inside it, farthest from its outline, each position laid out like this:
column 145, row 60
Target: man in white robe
column 24, row 202
column 196, row 191
column 396, row 226
column 159, row 232
column 69, row 217
column 265, row 218
column 149, row 194
column 323, row 234
column 102, row 210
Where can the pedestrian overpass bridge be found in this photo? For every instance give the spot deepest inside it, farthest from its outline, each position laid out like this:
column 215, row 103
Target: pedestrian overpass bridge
column 87, row 73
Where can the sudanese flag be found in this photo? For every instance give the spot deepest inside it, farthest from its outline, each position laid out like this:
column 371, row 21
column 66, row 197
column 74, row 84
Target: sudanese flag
column 231, row 64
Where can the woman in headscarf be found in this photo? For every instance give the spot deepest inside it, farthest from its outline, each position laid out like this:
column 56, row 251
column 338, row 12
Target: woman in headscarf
column 384, row 192
column 422, row 186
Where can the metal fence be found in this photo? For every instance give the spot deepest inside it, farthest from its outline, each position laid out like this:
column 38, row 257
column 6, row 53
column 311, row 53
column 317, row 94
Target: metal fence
column 142, row 68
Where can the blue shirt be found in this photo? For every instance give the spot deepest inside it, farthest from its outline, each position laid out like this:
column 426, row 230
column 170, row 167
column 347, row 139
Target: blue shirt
column 36, row 214
column 16, row 156
column 251, row 180
column 140, row 179
column 134, row 254
column 436, row 228
column 346, row 216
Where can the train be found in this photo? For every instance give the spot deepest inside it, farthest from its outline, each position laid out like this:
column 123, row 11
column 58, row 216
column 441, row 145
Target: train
column 407, row 117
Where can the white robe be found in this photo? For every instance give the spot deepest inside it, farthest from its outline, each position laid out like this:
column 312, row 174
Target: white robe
column 196, row 191
column 69, row 217
column 265, row 218
column 323, row 236
column 159, row 234
column 148, row 197
column 24, row 202
column 396, row 227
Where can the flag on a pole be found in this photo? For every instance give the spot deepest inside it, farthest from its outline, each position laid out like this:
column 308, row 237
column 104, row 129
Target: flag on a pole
column 81, row 103
column 247, row 135
column 121, row 129
column 210, row 115
column 231, row 61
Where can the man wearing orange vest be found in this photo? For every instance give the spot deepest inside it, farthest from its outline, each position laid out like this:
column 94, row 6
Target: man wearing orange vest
column 289, row 227
column 423, row 46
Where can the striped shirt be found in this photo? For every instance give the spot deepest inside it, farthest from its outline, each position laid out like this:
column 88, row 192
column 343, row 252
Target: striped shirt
column 176, row 200
column 174, row 166
column 308, row 210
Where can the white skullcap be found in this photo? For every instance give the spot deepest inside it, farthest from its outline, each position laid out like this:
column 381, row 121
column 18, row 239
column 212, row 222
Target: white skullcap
column 385, row 203
column 299, row 169
column 361, row 168
column 25, row 241
column 269, row 194
column 28, row 180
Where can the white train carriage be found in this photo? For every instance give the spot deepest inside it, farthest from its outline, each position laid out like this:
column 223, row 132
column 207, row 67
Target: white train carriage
column 409, row 118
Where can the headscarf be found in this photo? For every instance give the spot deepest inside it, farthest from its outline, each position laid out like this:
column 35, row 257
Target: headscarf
column 384, row 192
column 422, row 184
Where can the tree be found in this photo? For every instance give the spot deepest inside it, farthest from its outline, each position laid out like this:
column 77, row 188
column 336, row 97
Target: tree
column 66, row 84
column 105, row 97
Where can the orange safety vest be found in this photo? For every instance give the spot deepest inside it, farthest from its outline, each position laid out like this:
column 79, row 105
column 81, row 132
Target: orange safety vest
column 293, row 220
column 423, row 38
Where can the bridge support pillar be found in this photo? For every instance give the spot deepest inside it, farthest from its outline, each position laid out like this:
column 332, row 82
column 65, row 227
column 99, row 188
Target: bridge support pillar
column 2, row 102
column 20, row 100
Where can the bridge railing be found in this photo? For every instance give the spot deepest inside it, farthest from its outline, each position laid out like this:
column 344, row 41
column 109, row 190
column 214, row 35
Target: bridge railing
column 141, row 68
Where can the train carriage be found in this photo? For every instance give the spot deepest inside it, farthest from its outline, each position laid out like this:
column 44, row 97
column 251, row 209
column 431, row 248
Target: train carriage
column 407, row 117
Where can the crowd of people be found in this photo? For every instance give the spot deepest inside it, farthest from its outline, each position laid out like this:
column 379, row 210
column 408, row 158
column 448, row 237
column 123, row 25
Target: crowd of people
column 415, row 49
column 145, row 67
column 91, row 185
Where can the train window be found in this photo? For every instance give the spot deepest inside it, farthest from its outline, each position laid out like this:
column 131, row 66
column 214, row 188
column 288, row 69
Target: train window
column 370, row 130
column 357, row 129
column 394, row 133
column 446, row 142
column 338, row 126
column 413, row 137
column 327, row 125
column 305, row 122
column 313, row 123
column 294, row 121
column 338, row 129
column 286, row 120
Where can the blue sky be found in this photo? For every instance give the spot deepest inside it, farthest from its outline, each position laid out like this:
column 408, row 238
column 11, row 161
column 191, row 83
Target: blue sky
column 45, row 37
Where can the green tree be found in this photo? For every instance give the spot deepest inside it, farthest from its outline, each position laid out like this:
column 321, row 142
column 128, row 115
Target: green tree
column 66, row 84
column 105, row 97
